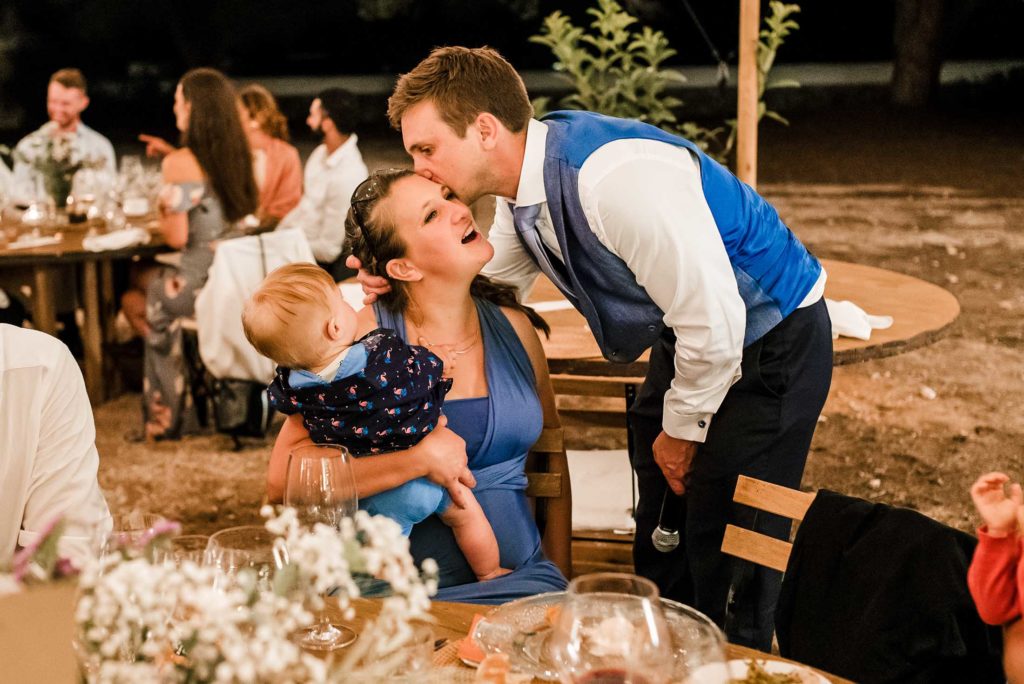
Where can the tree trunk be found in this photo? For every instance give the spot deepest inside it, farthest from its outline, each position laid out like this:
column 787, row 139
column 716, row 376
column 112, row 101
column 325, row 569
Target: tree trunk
column 917, row 35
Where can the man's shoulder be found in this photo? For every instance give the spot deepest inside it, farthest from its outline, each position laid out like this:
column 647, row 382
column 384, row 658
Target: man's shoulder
column 25, row 348
column 93, row 135
column 37, row 135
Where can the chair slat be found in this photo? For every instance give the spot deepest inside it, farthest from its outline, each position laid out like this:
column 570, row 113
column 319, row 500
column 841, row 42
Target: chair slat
column 756, row 547
column 592, row 386
column 766, row 496
column 551, row 441
column 544, row 485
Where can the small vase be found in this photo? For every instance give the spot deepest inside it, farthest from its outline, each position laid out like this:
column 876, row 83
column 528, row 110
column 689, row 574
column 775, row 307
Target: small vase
column 58, row 186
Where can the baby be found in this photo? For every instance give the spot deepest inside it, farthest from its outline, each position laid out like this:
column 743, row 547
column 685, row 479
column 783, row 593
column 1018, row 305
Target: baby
column 373, row 395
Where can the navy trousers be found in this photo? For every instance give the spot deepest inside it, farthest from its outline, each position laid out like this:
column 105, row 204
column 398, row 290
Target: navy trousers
column 762, row 429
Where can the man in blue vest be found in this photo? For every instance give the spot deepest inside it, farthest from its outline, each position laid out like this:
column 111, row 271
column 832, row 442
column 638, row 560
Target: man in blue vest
column 658, row 246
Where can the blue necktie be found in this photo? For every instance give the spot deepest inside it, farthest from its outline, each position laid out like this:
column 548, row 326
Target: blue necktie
column 525, row 220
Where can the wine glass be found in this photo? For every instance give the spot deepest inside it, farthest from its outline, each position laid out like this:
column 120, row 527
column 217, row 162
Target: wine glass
column 235, row 550
column 611, row 630
column 321, row 488
column 184, row 547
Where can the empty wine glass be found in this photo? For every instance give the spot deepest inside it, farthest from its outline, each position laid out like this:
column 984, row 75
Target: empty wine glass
column 321, row 488
column 246, row 548
column 606, row 636
column 184, row 547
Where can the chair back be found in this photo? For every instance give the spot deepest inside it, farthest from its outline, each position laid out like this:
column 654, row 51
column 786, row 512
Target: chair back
column 764, row 496
column 547, row 475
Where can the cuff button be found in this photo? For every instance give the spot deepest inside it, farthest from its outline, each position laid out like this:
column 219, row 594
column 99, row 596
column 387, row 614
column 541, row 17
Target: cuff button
column 702, row 423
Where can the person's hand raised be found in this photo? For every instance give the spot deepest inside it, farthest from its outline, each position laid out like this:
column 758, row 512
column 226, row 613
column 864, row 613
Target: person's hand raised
column 156, row 146
column 373, row 286
column 443, row 455
column 998, row 511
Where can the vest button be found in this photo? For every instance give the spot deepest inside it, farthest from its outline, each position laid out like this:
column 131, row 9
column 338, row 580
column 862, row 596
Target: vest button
column 652, row 328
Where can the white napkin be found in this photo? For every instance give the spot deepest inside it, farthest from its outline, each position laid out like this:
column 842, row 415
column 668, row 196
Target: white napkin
column 353, row 294
column 849, row 320
column 27, row 242
column 119, row 239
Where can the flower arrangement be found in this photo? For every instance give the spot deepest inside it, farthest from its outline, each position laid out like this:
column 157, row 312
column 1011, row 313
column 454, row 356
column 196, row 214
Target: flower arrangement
column 140, row 618
column 56, row 157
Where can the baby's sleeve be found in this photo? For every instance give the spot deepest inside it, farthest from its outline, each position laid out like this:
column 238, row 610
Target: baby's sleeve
column 994, row 577
column 279, row 399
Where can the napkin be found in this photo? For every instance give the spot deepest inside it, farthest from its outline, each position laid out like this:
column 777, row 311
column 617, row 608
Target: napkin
column 849, row 320
column 119, row 239
column 27, row 242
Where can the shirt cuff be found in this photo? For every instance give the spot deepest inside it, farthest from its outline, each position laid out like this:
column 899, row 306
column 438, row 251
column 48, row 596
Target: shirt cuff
column 1010, row 539
column 693, row 428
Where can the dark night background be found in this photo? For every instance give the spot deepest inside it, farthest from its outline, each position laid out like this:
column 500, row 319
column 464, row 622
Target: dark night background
column 133, row 52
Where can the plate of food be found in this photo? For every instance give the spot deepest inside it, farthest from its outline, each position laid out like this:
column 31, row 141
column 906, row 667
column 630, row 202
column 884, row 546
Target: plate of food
column 758, row 671
column 521, row 629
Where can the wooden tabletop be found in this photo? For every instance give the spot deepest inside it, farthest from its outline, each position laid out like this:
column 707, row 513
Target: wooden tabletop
column 452, row 622
column 922, row 313
column 71, row 250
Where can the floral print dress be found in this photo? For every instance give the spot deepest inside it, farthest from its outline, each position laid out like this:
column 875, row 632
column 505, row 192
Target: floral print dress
column 167, row 407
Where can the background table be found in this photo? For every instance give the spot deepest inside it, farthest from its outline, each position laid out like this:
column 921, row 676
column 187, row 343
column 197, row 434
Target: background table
column 452, row 622
column 922, row 313
column 97, row 295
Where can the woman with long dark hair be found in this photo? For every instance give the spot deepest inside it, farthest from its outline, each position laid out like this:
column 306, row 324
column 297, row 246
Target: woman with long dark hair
column 414, row 232
column 208, row 187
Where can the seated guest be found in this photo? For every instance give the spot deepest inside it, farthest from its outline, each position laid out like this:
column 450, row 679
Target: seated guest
column 332, row 172
column 276, row 163
column 48, row 458
column 208, row 187
column 373, row 395
column 416, row 234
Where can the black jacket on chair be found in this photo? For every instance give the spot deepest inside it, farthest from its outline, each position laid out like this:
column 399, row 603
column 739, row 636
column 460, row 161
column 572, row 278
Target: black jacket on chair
column 875, row 593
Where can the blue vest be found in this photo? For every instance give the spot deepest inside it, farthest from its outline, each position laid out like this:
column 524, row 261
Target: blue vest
column 774, row 271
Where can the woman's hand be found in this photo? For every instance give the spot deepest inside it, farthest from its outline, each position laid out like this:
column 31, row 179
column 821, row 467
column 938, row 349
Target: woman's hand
column 373, row 286
column 443, row 455
column 998, row 511
column 156, row 146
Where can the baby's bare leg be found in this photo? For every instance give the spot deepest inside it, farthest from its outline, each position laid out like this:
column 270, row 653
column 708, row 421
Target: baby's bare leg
column 475, row 537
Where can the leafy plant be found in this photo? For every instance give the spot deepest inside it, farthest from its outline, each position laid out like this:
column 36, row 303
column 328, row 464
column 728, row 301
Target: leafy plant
column 618, row 70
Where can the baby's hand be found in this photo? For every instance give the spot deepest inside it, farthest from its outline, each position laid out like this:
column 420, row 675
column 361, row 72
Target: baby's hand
column 999, row 512
column 492, row 575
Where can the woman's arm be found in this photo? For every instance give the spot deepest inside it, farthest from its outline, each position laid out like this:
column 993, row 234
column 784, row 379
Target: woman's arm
column 440, row 457
column 179, row 166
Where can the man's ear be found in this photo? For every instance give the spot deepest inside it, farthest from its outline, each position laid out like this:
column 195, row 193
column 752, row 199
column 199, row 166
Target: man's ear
column 488, row 128
column 404, row 270
column 84, row 102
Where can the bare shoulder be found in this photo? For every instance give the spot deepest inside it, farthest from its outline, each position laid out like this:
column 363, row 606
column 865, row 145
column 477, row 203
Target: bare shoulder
column 526, row 333
column 366, row 321
column 181, row 166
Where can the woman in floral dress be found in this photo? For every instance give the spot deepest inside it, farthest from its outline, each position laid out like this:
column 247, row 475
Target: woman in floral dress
column 208, row 187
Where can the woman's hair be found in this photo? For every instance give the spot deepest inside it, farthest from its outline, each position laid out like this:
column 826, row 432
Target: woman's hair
column 216, row 138
column 262, row 107
column 372, row 236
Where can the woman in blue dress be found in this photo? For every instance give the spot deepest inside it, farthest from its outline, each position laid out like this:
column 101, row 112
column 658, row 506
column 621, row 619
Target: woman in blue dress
column 414, row 232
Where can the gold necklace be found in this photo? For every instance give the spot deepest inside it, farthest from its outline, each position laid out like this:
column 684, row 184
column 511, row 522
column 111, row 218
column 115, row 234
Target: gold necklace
column 449, row 352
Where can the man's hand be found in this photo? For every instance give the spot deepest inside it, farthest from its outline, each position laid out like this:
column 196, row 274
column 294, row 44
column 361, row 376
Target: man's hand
column 674, row 457
column 156, row 146
column 373, row 286
column 443, row 454
column 999, row 512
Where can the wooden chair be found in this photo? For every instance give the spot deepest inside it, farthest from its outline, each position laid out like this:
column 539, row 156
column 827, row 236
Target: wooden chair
column 547, row 474
column 765, row 496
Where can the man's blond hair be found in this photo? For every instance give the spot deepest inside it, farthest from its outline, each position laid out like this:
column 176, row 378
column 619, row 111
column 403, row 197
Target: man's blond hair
column 462, row 83
column 280, row 314
column 69, row 78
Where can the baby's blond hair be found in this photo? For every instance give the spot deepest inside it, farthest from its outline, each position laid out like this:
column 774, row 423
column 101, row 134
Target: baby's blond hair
column 282, row 316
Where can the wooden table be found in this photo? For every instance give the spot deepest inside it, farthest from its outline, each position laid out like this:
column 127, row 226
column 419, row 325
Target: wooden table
column 452, row 622
column 922, row 313
column 97, row 287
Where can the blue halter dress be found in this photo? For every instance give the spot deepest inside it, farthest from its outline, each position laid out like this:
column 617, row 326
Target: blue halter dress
column 499, row 430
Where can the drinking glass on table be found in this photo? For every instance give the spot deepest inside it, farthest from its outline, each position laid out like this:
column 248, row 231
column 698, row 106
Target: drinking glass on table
column 320, row 486
column 248, row 548
column 611, row 630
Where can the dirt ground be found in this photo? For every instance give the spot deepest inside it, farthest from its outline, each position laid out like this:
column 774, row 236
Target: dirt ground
column 936, row 196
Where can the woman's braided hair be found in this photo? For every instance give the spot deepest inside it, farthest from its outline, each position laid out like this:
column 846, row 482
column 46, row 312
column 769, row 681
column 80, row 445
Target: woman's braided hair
column 371, row 235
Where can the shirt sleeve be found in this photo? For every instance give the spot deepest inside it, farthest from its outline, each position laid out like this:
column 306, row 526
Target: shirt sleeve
column 64, row 478
column 511, row 264
column 651, row 212
column 992, row 577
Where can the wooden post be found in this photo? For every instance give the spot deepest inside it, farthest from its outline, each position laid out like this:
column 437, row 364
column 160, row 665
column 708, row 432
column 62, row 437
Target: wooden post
column 92, row 340
column 746, row 94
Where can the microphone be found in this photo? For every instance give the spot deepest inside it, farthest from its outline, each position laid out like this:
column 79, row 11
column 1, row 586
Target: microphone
column 665, row 536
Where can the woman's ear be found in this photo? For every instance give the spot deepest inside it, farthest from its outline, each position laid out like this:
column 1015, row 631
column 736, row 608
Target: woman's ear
column 403, row 269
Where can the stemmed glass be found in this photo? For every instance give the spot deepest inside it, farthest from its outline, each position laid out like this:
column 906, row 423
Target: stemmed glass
column 321, row 488
column 611, row 630
column 248, row 547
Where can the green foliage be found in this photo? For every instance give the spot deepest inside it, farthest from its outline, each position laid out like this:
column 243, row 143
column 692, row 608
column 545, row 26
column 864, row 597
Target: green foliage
column 617, row 69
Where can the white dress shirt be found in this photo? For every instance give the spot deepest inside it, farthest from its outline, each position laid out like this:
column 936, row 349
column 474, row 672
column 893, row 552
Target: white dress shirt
column 644, row 201
column 48, row 458
column 329, row 181
column 88, row 144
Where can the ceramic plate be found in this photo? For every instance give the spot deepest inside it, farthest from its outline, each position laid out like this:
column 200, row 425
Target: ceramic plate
column 738, row 671
column 521, row 630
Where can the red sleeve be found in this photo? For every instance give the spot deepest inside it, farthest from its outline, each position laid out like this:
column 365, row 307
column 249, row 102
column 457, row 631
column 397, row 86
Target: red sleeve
column 993, row 578
column 283, row 188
